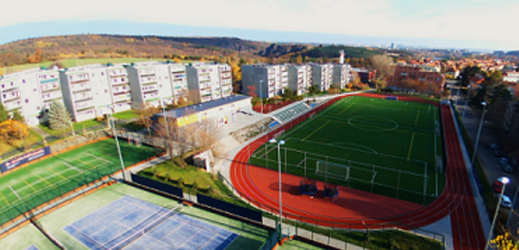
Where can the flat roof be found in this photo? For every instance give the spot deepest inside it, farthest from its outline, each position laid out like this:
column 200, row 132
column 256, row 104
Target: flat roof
column 197, row 108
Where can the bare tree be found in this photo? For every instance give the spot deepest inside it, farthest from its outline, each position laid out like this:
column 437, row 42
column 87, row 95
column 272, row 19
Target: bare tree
column 385, row 68
column 145, row 112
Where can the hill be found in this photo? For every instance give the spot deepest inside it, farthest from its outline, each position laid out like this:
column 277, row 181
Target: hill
column 54, row 48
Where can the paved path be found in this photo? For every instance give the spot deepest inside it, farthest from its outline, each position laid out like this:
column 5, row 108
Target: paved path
column 41, row 132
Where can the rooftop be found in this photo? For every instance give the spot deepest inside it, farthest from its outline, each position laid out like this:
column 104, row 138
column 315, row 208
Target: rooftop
column 180, row 112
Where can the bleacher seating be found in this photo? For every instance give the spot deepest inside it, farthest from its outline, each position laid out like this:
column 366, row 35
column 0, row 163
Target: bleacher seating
column 291, row 112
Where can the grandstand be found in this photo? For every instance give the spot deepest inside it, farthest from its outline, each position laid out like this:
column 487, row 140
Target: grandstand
column 291, row 112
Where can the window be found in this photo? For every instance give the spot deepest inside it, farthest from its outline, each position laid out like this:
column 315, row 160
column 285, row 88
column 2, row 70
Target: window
column 26, row 100
column 102, row 73
column 106, row 90
column 93, row 74
column 34, row 90
column 23, row 80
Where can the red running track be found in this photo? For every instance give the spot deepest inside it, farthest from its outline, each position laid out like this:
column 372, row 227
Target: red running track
column 358, row 209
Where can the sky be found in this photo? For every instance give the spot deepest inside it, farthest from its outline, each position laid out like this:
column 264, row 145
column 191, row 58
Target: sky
column 488, row 24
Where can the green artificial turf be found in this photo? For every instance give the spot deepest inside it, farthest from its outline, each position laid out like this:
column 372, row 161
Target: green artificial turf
column 33, row 185
column 387, row 145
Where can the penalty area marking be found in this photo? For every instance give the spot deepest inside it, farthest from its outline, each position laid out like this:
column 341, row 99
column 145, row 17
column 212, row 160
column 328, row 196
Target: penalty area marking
column 17, row 195
column 410, row 147
column 316, row 130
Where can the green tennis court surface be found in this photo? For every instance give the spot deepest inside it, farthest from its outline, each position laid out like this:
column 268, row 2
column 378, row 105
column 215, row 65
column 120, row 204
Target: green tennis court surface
column 33, row 185
column 383, row 146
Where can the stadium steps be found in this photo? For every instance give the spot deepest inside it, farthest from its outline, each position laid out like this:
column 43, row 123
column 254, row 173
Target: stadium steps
column 291, row 112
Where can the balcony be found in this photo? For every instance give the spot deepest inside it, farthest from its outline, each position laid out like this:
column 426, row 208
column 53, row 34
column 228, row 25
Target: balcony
column 122, row 89
column 123, row 97
column 119, row 81
column 84, row 105
column 217, row 96
column 12, row 95
column 205, row 92
column 8, row 86
column 179, row 75
column 80, row 87
column 78, row 78
column 148, row 80
column 117, row 73
column 206, row 98
column 82, row 96
column 51, row 96
column 226, row 88
column 45, row 81
column 146, row 72
column 150, row 97
column 49, row 87
column 226, row 75
column 226, row 82
column 149, row 88
column 12, row 105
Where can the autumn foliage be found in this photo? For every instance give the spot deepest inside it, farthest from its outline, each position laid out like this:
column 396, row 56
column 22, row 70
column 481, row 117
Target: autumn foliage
column 11, row 130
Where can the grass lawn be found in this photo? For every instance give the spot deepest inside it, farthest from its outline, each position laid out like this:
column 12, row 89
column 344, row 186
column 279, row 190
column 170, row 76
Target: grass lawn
column 78, row 126
column 128, row 114
column 32, row 138
column 30, row 186
column 359, row 141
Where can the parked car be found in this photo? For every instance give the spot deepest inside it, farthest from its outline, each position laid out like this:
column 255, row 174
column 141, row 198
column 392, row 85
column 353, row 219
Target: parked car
column 493, row 146
column 498, row 153
column 503, row 160
column 507, row 168
column 506, row 202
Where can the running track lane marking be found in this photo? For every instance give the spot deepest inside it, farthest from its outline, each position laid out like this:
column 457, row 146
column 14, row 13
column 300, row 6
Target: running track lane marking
column 316, row 130
column 346, row 108
column 8, row 203
column 417, row 115
column 410, row 147
column 17, row 195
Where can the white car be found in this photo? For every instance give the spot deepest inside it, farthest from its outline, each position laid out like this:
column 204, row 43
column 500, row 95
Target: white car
column 506, row 202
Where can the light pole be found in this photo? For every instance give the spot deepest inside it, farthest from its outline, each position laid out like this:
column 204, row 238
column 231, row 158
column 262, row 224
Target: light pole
column 479, row 133
column 466, row 101
column 261, row 101
column 459, row 90
column 504, row 180
column 118, row 147
column 281, row 142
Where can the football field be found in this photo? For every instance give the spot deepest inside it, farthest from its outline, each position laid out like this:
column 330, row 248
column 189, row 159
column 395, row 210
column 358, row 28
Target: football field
column 32, row 185
column 383, row 146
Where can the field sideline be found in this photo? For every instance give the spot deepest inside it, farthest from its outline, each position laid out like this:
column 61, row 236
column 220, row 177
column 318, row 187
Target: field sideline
column 378, row 145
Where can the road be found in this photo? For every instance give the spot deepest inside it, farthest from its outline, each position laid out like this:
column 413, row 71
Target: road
column 487, row 158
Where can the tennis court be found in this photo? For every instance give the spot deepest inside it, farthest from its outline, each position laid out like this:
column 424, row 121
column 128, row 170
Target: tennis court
column 131, row 223
column 33, row 185
column 388, row 147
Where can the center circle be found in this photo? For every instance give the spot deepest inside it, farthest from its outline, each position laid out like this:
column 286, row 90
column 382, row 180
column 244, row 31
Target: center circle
column 373, row 123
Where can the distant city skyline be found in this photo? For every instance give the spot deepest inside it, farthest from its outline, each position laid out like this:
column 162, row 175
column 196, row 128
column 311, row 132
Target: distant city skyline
column 471, row 24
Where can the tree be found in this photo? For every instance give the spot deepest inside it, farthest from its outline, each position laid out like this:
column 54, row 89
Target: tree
column 313, row 89
column 17, row 116
column 287, row 93
column 385, row 68
column 59, row 118
column 144, row 113
column 252, row 91
column 3, row 113
column 11, row 130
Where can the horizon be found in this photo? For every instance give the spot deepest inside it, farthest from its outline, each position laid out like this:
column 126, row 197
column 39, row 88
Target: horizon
column 437, row 24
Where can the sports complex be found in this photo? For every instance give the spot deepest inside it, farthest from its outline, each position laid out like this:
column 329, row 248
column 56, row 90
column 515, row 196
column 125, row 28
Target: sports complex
column 356, row 162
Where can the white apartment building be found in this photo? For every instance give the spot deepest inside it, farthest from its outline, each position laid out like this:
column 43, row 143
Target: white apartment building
column 341, row 75
column 268, row 80
column 86, row 91
column 178, row 76
column 208, row 81
column 298, row 79
column 322, row 75
column 31, row 92
column 150, row 84
column 119, row 88
column 511, row 77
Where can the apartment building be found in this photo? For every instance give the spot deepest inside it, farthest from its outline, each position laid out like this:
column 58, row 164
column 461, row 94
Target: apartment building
column 268, row 80
column 322, row 76
column 150, row 84
column 298, row 79
column 208, row 81
column 87, row 92
column 119, row 87
column 365, row 75
column 341, row 75
column 31, row 92
column 178, row 76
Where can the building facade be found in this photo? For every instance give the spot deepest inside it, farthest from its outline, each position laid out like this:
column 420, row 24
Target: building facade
column 150, row 84
column 341, row 75
column 298, row 79
column 260, row 80
column 322, row 76
column 208, row 81
column 415, row 72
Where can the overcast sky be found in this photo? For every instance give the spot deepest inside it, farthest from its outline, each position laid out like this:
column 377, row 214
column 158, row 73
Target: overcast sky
column 482, row 23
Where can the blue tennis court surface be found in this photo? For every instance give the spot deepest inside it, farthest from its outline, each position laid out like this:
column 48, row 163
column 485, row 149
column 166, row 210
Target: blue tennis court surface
column 32, row 247
column 131, row 223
